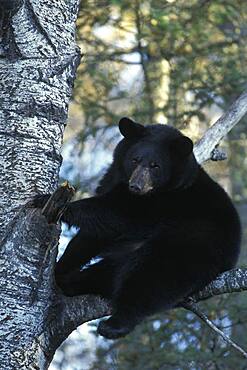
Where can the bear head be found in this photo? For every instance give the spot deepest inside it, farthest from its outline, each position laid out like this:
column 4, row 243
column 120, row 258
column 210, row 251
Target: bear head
column 151, row 158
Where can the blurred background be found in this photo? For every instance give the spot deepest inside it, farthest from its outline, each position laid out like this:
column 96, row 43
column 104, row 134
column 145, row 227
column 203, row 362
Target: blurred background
column 178, row 62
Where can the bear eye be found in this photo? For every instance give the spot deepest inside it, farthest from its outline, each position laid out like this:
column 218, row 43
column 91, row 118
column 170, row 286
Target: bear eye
column 154, row 165
column 135, row 160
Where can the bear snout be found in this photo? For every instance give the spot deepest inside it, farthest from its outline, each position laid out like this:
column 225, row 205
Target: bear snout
column 140, row 181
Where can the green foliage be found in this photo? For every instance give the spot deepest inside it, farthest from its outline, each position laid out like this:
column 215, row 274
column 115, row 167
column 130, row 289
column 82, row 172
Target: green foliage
column 177, row 340
column 202, row 42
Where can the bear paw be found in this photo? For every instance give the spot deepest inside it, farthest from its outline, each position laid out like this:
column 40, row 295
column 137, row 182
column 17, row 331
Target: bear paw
column 113, row 328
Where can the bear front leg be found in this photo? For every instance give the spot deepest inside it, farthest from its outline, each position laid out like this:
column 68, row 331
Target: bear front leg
column 80, row 250
column 143, row 287
column 133, row 301
column 96, row 279
column 119, row 324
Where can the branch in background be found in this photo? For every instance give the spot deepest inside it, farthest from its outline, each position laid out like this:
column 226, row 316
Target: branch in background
column 147, row 83
column 204, row 149
column 193, row 307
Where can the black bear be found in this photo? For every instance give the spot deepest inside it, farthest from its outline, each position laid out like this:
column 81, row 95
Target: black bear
column 161, row 227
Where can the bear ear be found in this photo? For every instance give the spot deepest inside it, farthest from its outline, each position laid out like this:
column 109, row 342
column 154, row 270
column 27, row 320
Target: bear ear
column 182, row 146
column 130, row 129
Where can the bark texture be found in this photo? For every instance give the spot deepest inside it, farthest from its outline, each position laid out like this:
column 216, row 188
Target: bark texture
column 35, row 318
column 38, row 60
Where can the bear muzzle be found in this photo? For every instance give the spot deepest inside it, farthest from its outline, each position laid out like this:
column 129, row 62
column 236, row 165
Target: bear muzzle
column 140, row 181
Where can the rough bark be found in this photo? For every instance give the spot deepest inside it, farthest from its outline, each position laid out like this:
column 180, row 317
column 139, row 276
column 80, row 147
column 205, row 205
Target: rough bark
column 38, row 59
column 37, row 68
column 25, row 301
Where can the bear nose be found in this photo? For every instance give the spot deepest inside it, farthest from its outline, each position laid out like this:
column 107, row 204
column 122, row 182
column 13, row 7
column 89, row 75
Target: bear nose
column 136, row 188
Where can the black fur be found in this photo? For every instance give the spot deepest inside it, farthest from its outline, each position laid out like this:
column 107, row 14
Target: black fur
column 156, row 247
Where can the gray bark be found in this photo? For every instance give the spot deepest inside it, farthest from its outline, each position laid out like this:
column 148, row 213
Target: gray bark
column 35, row 318
column 205, row 149
column 38, row 59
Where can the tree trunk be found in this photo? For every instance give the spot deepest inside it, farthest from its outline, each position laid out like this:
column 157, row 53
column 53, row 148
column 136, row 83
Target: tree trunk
column 38, row 60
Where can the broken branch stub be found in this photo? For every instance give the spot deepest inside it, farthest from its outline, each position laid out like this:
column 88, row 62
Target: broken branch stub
column 57, row 202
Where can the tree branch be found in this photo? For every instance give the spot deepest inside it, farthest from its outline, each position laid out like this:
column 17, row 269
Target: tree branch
column 204, row 148
column 74, row 311
column 231, row 281
column 193, row 307
column 57, row 203
column 69, row 313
